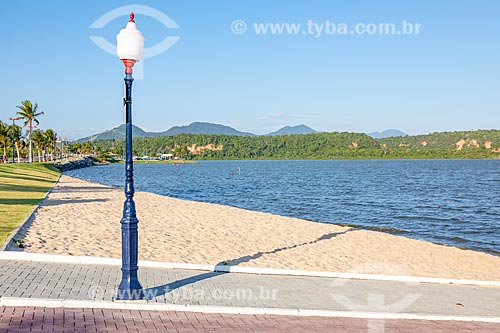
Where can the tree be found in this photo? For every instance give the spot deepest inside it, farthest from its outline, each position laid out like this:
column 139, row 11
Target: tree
column 50, row 141
column 181, row 151
column 74, row 148
column 15, row 132
column 29, row 113
column 39, row 140
column 4, row 138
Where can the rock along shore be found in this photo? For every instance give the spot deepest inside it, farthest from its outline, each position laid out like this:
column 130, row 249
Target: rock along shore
column 75, row 164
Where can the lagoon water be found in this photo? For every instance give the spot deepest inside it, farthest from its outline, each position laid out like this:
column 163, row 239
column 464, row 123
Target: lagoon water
column 453, row 202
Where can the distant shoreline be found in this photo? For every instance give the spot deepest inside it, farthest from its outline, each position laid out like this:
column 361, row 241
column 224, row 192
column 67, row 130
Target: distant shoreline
column 482, row 144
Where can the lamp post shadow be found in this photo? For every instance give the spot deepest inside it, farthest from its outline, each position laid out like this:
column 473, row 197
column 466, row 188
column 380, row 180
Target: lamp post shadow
column 161, row 290
column 153, row 292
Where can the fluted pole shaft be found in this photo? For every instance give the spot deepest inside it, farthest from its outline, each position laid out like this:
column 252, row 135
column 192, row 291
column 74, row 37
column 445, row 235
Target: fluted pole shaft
column 130, row 288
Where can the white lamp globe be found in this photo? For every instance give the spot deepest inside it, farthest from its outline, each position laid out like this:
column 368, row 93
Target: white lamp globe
column 130, row 42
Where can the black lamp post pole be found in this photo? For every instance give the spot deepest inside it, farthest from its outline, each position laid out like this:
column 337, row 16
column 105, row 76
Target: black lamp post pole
column 130, row 288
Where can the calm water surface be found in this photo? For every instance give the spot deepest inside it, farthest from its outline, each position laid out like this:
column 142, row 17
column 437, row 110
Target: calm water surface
column 454, row 202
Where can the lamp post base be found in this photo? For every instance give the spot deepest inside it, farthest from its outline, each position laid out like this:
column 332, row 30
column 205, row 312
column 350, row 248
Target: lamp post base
column 130, row 289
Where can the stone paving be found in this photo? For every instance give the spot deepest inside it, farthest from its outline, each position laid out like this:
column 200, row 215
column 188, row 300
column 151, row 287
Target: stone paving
column 36, row 319
column 58, row 281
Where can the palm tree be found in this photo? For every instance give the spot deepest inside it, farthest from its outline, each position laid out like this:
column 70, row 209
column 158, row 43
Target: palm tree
column 29, row 113
column 3, row 139
column 39, row 140
column 15, row 132
column 50, row 140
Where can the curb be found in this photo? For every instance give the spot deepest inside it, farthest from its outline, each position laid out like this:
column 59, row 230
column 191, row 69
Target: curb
column 27, row 219
column 84, row 260
column 51, row 303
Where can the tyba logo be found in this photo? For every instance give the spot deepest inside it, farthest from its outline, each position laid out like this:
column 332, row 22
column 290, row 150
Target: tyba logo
column 149, row 52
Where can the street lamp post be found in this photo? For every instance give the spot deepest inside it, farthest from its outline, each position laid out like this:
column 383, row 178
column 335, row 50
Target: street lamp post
column 61, row 148
column 129, row 44
column 44, row 149
column 13, row 124
column 67, row 141
column 31, row 141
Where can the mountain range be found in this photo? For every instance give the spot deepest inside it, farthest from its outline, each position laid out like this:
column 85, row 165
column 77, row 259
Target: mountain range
column 118, row 133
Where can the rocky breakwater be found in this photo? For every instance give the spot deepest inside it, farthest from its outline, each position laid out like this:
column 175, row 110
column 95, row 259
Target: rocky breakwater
column 75, row 164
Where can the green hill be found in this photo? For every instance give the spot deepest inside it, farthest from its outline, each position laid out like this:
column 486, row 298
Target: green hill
column 299, row 129
column 203, row 128
column 446, row 140
column 117, row 133
column 387, row 134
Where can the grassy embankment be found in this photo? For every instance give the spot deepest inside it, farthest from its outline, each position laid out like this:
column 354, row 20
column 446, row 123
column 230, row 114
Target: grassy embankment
column 22, row 186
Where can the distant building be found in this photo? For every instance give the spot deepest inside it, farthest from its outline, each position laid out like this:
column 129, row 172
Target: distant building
column 166, row 157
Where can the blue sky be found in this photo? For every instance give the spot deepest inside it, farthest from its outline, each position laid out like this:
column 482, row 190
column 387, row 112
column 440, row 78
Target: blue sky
column 443, row 79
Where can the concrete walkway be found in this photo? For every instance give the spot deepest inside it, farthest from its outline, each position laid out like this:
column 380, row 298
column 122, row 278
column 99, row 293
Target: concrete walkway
column 27, row 289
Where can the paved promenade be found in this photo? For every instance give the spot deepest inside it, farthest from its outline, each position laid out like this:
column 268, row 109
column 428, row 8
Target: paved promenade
column 34, row 319
column 26, row 285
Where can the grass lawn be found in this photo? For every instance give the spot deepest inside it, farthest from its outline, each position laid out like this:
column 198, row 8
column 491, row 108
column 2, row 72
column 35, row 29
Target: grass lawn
column 22, row 186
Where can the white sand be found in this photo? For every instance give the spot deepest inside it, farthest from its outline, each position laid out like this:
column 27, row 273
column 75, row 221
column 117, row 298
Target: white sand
column 83, row 218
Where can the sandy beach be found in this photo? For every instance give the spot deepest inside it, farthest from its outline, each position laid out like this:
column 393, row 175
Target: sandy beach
column 83, row 218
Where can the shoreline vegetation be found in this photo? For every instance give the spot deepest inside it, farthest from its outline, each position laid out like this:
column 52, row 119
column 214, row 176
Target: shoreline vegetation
column 161, row 162
column 82, row 218
column 482, row 144
column 22, row 186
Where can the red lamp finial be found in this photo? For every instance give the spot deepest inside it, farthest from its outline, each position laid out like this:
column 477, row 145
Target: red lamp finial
column 128, row 65
column 132, row 17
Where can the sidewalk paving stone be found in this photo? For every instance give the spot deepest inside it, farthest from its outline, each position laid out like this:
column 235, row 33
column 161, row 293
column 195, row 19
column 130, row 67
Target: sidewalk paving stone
column 98, row 282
